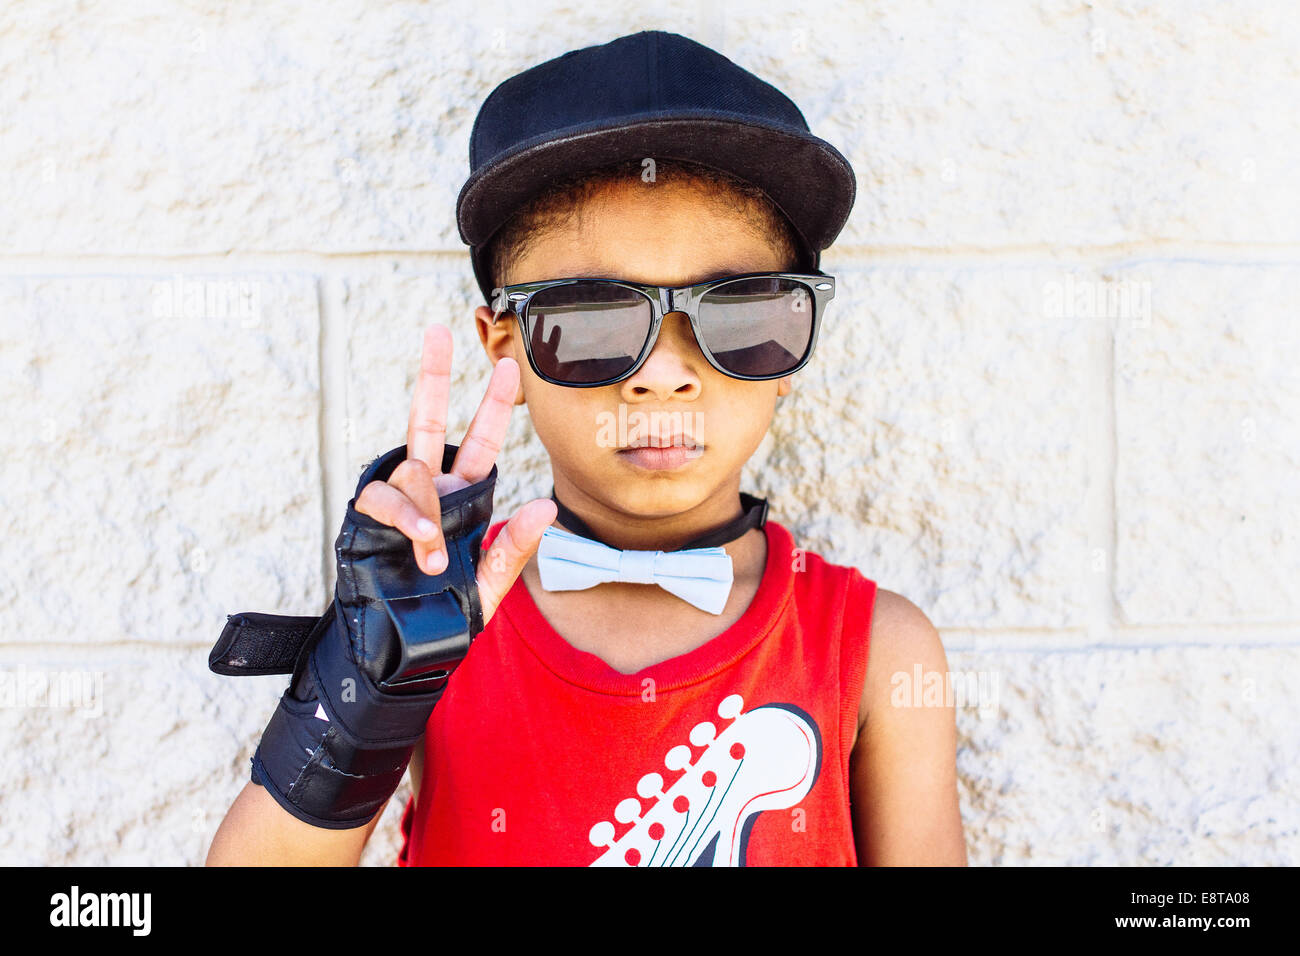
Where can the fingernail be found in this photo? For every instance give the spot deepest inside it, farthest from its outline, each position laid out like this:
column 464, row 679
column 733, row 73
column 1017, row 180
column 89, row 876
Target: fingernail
column 437, row 562
column 424, row 526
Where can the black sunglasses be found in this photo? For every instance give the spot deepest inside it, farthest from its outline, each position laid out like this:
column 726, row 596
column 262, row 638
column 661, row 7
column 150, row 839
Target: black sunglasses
column 585, row 333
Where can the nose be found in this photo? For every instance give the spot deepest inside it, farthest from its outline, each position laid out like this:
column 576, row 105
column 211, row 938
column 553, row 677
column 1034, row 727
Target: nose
column 672, row 369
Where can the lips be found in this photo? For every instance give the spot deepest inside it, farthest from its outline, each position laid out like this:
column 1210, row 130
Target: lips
column 660, row 458
column 661, row 441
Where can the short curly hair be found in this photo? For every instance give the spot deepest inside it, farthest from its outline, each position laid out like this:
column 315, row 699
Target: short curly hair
column 561, row 201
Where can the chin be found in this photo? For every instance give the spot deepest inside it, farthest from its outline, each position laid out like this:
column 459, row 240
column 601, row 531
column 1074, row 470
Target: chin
column 656, row 493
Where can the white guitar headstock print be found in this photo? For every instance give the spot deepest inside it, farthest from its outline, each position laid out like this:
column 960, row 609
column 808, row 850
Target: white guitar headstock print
column 767, row 758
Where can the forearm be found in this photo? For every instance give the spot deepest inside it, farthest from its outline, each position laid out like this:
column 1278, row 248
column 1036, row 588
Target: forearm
column 257, row 831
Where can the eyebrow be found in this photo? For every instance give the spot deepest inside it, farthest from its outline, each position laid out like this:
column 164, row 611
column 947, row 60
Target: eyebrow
column 707, row 277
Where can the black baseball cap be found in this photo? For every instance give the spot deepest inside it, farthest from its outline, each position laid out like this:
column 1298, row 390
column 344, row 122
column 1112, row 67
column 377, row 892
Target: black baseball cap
column 649, row 94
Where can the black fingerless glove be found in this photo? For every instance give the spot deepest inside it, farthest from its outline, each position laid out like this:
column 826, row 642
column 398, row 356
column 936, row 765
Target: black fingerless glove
column 367, row 673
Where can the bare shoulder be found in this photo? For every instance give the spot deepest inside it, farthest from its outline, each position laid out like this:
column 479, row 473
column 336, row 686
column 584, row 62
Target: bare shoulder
column 903, row 769
column 902, row 636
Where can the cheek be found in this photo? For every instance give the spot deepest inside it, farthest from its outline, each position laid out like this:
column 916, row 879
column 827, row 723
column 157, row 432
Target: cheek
column 561, row 421
column 743, row 419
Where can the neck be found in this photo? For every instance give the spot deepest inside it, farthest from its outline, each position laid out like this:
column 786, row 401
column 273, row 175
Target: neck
column 618, row 529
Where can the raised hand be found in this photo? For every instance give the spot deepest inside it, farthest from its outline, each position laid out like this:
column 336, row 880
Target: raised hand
column 409, row 499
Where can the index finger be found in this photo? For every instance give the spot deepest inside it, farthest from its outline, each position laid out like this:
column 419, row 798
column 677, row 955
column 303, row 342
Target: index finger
column 488, row 428
column 426, row 430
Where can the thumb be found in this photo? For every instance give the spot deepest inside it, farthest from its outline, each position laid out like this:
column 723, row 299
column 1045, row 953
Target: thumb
column 513, row 546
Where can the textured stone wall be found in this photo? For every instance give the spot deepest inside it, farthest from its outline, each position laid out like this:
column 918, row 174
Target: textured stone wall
column 1055, row 402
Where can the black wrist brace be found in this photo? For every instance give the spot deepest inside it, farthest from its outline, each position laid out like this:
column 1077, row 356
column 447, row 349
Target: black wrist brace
column 368, row 672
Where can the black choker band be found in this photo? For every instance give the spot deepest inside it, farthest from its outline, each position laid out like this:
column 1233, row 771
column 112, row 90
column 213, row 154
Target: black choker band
column 754, row 517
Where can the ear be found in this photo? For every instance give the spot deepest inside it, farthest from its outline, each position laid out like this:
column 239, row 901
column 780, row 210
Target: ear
column 784, row 386
column 499, row 341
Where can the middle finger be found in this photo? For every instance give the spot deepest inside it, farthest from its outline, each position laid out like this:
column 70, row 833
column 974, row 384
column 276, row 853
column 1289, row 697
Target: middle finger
column 426, row 430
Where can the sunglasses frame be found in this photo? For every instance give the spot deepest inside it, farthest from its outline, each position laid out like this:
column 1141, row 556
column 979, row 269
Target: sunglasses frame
column 665, row 299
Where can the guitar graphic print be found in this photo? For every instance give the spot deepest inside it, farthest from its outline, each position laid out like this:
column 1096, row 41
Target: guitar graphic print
column 766, row 758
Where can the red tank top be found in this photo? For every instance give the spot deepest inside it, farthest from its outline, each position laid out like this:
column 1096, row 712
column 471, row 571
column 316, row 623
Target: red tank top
column 733, row 754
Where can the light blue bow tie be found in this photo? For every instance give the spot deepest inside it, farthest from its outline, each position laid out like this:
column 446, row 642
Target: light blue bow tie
column 699, row 576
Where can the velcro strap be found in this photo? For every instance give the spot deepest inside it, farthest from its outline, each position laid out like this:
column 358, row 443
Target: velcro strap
column 254, row 644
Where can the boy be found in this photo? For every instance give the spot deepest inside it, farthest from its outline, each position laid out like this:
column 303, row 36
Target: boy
column 723, row 710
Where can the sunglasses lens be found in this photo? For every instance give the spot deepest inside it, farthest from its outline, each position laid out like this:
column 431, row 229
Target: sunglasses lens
column 587, row 332
column 760, row 326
